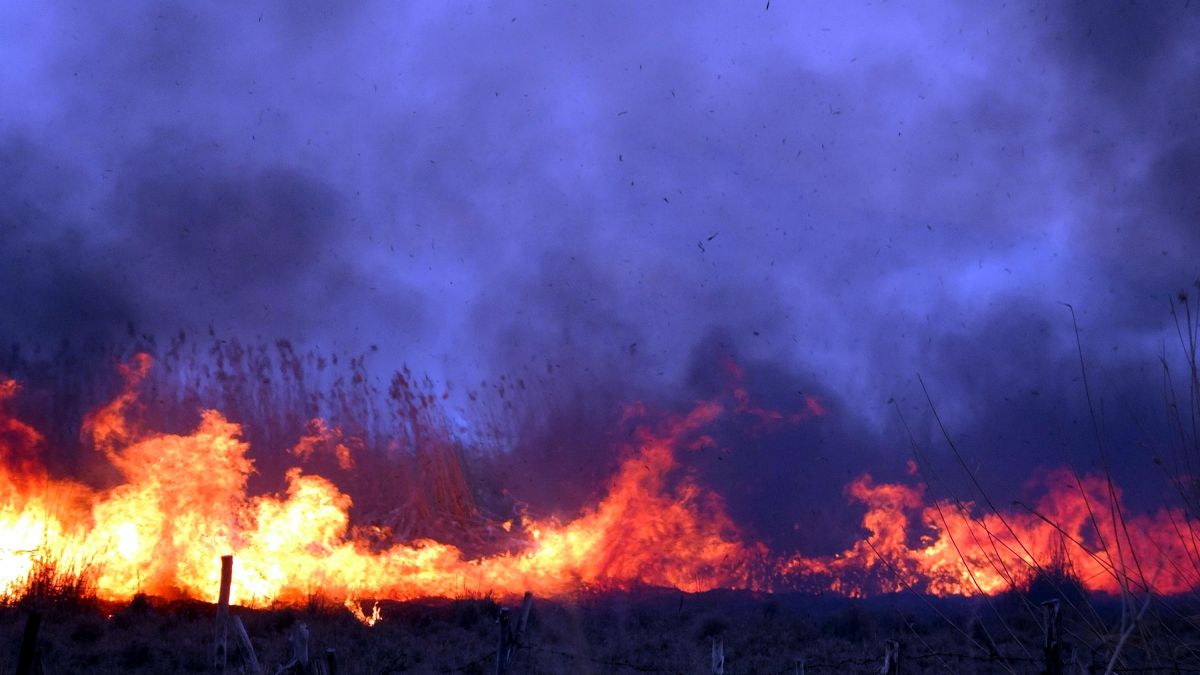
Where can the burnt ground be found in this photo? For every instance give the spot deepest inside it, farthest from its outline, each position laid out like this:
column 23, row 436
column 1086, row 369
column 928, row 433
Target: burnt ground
column 636, row 632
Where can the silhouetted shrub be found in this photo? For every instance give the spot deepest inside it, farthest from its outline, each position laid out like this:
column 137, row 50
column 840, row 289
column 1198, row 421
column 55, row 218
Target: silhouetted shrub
column 53, row 581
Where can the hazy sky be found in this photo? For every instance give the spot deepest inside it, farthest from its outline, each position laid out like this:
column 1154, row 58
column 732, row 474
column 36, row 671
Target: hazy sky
column 843, row 194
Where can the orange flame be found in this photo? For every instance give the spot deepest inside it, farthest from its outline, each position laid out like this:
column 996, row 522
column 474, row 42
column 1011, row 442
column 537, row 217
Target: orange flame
column 182, row 503
column 356, row 610
column 318, row 435
column 968, row 553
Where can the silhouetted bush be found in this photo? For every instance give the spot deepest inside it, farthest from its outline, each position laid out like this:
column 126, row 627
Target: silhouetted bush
column 54, row 581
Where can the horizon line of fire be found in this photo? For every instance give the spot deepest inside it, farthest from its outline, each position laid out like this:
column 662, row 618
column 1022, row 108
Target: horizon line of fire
column 183, row 504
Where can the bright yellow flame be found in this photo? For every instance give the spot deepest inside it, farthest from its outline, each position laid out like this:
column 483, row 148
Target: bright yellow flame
column 183, row 503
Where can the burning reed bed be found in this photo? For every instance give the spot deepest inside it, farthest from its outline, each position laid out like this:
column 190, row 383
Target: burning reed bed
column 54, row 580
column 654, row 576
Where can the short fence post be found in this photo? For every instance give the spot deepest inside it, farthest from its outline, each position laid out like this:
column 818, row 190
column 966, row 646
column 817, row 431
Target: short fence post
column 503, row 642
column 331, row 661
column 299, row 640
column 718, row 657
column 509, row 639
column 891, row 658
column 29, row 651
column 221, row 625
column 1052, row 645
column 526, row 606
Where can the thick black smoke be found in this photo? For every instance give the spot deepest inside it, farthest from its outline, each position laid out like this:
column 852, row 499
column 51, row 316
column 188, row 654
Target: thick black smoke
column 587, row 198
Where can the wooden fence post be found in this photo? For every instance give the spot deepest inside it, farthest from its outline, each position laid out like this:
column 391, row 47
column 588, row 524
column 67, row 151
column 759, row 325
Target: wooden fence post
column 331, row 661
column 1052, row 645
column 298, row 639
column 26, row 661
column 502, row 643
column 221, row 625
column 891, row 658
column 526, row 606
column 718, row 657
column 510, row 639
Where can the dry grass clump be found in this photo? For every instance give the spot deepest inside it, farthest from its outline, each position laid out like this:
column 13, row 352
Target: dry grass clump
column 54, row 580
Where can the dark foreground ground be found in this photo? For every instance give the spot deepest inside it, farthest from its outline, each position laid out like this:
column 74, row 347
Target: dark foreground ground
column 650, row 631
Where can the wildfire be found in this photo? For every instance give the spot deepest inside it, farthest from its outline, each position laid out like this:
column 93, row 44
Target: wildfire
column 182, row 502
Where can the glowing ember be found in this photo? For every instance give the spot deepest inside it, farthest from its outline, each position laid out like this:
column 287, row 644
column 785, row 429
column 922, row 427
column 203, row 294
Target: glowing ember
column 182, row 502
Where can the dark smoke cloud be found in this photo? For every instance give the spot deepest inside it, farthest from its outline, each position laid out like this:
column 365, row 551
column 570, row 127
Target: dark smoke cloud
column 585, row 194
